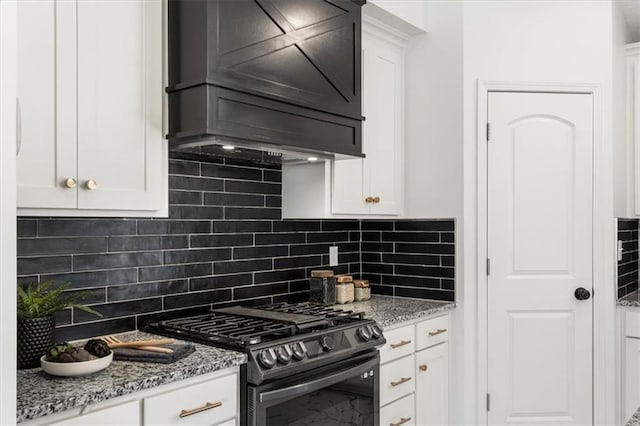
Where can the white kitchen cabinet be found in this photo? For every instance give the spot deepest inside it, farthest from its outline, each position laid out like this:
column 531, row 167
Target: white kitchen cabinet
column 90, row 94
column 127, row 414
column 432, row 386
column 162, row 405
column 423, row 399
column 370, row 186
column 632, row 377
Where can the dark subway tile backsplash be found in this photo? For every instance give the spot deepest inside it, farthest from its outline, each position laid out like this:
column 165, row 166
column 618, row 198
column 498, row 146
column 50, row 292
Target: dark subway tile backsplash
column 628, row 266
column 223, row 244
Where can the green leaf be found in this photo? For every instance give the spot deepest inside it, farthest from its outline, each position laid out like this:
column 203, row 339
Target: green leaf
column 37, row 300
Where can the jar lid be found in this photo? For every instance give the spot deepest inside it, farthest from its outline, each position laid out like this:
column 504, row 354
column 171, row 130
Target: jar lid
column 321, row 273
column 344, row 278
column 361, row 283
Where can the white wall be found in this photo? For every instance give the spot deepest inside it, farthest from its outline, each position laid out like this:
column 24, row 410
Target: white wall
column 559, row 41
column 623, row 152
column 7, row 212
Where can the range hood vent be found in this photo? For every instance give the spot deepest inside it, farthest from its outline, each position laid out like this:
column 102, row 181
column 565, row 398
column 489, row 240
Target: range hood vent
column 278, row 75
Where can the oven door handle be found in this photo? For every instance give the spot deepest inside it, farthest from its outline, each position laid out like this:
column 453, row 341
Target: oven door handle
column 320, row 383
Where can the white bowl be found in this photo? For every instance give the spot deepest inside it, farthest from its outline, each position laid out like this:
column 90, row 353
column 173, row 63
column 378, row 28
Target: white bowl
column 72, row 369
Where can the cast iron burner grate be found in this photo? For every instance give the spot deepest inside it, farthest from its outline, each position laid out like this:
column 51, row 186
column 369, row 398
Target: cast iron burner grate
column 239, row 326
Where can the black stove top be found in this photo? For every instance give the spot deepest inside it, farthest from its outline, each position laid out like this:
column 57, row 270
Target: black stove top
column 280, row 339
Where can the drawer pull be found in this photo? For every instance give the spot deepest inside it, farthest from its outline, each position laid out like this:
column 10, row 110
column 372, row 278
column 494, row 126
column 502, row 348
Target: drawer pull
column 424, row 367
column 401, row 381
column 439, row 331
column 402, row 343
column 402, row 421
column 205, row 407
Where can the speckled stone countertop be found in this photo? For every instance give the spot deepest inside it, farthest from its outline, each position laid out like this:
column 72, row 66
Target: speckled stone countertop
column 635, row 420
column 39, row 394
column 387, row 310
column 632, row 299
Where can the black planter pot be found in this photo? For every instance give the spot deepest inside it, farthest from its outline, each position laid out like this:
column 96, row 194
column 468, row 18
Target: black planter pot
column 35, row 336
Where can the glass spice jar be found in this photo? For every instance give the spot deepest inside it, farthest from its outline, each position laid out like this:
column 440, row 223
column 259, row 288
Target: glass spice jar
column 344, row 289
column 362, row 291
column 322, row 287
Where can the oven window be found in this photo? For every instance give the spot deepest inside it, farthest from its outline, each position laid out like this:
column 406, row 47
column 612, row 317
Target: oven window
column 350, row 402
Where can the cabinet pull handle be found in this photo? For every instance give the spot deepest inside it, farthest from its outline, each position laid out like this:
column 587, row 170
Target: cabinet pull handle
column 402, row 343
column 92, row 184
column 439, row 331
column 424, row 367
column 401, row 381
column 376, row 200
column 368, row 200
column 70, row 183
column 205, row 407
column 402, row 421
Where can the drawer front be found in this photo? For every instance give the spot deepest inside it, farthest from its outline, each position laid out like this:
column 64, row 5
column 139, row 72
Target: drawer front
column 397, row 379
column 632, row 324
column 125, row 414
column 231, row 422
column 207, row 403
column 401, row 412
column 400, row 342
column 432, row 331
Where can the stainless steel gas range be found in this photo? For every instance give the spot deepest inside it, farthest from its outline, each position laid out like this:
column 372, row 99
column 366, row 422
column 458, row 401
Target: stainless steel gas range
column 308, row 364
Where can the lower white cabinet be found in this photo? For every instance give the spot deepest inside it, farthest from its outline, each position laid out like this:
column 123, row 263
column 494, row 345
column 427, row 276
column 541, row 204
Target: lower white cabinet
column 414, row 373
column 207, row 403
column 432, row 385
column 631, row 364
column 127, row 414
column 210, row 399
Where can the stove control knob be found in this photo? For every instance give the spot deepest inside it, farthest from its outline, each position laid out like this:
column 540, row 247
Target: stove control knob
column 299, row 350
column 376, row 331
column 283, row 353
column 364, row 333
column 326, row 342
column 267, row 358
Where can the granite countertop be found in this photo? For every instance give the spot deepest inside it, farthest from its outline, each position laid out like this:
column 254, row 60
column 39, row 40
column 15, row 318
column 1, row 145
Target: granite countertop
column 39, row 394
column 631, row 299
column 635, row 420
column 388, row 310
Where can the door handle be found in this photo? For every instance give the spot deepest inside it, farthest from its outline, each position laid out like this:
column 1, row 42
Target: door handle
column 582, row 293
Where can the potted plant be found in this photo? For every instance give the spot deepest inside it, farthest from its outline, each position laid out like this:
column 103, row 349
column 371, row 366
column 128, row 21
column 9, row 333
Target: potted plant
column 37, row 304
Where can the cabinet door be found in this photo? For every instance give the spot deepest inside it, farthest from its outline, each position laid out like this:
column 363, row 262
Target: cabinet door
column 126, row 414
column 120, row 143
column 46, row 103
column 348, row 187
column 632, row 377
column 432, row 386
column 382, row 130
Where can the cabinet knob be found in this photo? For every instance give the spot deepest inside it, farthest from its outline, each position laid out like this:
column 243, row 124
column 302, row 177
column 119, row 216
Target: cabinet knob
column 424, row 367
column 91, row 184
column 368, row 200
column 376, row 200
column 70, row 183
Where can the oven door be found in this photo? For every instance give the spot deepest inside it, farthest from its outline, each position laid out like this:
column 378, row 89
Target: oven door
column 345, row 393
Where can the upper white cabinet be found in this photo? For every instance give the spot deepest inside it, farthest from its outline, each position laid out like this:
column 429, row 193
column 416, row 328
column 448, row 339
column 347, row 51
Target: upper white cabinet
column 90, row 95
column 372, row 185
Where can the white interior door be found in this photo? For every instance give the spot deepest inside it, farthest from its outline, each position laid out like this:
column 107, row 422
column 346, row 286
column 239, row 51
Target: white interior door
column 540, row 250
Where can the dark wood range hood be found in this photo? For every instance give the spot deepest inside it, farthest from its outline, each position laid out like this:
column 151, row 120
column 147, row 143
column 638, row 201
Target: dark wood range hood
column 266, row 74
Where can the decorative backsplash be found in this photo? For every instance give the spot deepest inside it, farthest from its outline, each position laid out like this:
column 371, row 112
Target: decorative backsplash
column 223, row 244
column 628, row 266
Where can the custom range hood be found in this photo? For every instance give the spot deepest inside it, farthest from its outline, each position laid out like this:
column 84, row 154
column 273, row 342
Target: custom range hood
column 279, row 75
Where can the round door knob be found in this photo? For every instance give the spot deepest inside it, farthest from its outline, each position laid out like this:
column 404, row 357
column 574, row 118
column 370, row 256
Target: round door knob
column 70, row 183
column 424, row 367
column 582, row 293
column 91, row 184
column 376, row 200
column 368, row 200
column 326, row 343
